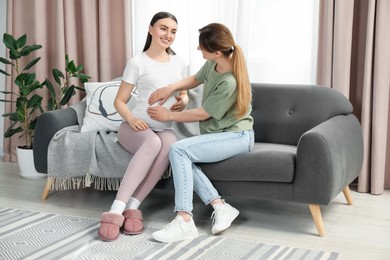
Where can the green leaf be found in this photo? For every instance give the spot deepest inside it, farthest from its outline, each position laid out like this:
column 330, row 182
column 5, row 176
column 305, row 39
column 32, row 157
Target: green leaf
column 29, row 48
column 32, row 124
column 9, row 41
column 20, row 102
column 11, row 128
column 57, row 74
column 30, row 79
column 5, row 61
column 80, row 88
column 64, row 90
column 31, row 63
column 21, row 41
column 35, row 101
column 8, row 92
column 50, row 87
column 10, row 132
column 80, row 68
column 71, row 67
column 7, row 101
column 14, row 54
column 67, row 95
column 19, row 81
column 20, row 115
column 51, row 104
column 4, row 72
column 9, row 115
column 36, row 85
column 83, row 77
column 13, row 117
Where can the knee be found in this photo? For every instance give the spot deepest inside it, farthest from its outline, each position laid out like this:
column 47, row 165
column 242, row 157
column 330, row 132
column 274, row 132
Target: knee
column 154, row 144
column 168, row 138
column 123, row 133
column 167, row 144
column 175, row 149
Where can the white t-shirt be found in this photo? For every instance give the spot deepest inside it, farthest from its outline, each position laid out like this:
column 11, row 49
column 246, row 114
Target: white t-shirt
column 149, row 75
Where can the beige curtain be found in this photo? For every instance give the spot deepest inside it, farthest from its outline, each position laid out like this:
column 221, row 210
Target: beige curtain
column 354, row 57
column 95, row 33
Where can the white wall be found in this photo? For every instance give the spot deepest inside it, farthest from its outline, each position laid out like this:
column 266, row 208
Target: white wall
column 3, row 19
column 279, row 37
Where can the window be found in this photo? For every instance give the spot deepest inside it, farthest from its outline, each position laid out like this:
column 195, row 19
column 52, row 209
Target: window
column 279, row 37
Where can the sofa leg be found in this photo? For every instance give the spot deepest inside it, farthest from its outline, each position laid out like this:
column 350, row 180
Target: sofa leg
column 47, row 188
column 347, row 195
column 315, row 211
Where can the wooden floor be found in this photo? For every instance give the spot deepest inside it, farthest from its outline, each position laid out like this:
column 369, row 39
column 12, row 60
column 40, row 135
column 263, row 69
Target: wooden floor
column 361, row 231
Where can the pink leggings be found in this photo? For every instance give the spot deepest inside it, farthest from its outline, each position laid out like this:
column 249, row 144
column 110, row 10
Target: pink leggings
column 150, row 160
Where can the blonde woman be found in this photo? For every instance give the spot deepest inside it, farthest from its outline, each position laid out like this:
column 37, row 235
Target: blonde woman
column 226, row 128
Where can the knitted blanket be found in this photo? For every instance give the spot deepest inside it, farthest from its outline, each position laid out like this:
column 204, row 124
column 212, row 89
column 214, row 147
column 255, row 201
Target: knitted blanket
column 88, row 159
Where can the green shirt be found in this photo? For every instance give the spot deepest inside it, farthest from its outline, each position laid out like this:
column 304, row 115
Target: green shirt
column 219, row 100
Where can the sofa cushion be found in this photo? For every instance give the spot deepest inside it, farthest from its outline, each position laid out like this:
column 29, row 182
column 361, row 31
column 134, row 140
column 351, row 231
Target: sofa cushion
column 283, row 113
column 267, row 162
column 100, row 113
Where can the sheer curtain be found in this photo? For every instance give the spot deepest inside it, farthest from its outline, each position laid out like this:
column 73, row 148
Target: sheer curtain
column 279, row 38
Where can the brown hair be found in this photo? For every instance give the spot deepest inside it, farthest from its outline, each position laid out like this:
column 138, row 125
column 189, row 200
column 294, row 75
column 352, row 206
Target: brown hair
column 217, row 37
column 156, row 17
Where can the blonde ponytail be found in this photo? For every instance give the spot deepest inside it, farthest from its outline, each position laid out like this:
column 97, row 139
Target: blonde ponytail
column 244, row 92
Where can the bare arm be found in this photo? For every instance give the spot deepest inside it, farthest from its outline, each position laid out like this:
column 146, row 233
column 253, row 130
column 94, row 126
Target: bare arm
column 163, row 94
column 120, row 104
column 184, row 84
column 160, row 113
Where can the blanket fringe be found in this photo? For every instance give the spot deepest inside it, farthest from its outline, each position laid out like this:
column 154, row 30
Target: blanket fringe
column 93, row 181
column 168, row 173
column 90, row 181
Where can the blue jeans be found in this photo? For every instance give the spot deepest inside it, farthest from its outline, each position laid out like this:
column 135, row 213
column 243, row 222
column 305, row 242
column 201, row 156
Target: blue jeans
column 207, row 148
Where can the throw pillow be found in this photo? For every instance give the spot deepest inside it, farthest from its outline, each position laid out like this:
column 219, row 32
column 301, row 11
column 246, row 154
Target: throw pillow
column 100, row 113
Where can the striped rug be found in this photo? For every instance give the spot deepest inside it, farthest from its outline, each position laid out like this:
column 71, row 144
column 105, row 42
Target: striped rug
column 36, row 235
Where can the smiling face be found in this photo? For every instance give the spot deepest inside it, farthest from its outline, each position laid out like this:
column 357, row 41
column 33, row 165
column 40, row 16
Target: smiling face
column 163, row 32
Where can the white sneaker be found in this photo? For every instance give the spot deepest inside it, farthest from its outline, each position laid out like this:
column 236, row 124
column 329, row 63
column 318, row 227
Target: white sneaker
column 223, row 216
column 177, row 230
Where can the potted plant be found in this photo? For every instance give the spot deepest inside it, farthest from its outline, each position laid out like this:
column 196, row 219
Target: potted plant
column 27, row 101
column 28, row 104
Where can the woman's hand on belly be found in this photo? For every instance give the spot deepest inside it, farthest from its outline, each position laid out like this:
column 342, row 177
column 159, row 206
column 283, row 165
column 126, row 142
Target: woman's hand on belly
column 158, row 113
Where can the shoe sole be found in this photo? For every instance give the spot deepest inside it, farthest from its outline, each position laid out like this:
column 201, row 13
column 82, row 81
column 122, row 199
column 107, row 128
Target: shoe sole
column 235, row 215
column 187, row 236
column 133, row 232
column 106, row 239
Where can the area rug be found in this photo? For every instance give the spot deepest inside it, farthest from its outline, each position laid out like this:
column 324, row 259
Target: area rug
column 36, row 235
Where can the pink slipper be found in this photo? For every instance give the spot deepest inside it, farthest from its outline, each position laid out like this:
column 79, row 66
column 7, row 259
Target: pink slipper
column 110, row 224
column 133, row 224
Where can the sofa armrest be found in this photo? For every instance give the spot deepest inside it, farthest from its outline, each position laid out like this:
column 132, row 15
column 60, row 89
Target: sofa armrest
column 47, row 125
column 329, row 157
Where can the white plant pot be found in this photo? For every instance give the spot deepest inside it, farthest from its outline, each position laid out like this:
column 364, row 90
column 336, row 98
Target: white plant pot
column 26, row 164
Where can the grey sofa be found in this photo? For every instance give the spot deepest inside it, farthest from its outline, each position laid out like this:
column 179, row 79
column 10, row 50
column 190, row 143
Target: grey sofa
column 308, row 148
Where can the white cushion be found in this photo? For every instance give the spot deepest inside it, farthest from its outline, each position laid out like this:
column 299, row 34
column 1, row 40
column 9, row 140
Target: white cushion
column 100, row 113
